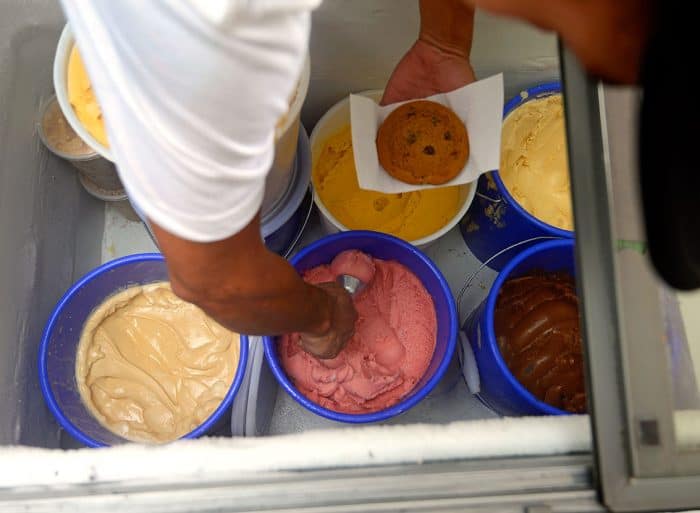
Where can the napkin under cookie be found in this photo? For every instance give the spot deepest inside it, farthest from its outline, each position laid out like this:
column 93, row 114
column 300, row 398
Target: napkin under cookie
column 480, row 107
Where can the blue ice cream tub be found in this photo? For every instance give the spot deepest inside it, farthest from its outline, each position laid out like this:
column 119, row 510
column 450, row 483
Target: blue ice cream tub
column 495, row 221
column 59, row 347
column 385, row 247
column 499, row 389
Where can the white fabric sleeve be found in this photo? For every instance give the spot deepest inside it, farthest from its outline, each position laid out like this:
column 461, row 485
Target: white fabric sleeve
column 190, row 97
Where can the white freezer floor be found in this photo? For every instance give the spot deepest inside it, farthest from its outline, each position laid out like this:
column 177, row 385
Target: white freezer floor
column 123, row 236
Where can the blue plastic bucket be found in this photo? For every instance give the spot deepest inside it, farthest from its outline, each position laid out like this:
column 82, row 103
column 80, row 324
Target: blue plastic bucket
column 495, row 221
column 59, row 347
column 385, row 247
column 499, row 389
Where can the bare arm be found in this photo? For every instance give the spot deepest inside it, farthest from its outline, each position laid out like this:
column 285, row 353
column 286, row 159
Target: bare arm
column 447, row 25
column 251, row 290
column 439, row 59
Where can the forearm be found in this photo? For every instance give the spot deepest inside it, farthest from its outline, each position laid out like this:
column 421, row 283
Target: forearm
column 279, row 302
column 244, row 286
column 439, row 60
column 448, row 25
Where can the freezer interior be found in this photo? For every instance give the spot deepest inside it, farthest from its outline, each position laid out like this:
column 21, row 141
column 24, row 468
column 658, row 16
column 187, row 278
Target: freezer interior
column 52, row 232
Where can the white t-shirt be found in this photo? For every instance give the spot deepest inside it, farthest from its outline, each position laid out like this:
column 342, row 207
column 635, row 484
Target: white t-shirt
column 191, row 91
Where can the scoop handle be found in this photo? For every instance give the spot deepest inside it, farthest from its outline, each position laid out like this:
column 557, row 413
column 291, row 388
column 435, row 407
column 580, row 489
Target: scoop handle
column 350, row 283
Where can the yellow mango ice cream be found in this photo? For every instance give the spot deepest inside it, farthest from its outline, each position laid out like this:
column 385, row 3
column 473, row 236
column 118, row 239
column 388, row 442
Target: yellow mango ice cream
column 82, row 98
column 534, row 165
column 409, row 215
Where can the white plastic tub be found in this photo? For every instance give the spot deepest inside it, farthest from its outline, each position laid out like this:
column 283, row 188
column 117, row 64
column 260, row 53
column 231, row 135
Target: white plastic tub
column 331, row 123
column 280, row 176
column 60, row 84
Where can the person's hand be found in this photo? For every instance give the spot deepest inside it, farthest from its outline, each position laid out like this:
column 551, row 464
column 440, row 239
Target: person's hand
column 342, row 325
column 425, row 70
column 608, row 36
column 438, row 62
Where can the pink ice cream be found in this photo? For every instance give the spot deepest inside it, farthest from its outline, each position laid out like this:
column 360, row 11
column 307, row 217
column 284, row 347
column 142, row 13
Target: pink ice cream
column 392, row 346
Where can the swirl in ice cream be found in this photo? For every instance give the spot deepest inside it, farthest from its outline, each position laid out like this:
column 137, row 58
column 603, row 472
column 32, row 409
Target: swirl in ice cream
column 151, row 367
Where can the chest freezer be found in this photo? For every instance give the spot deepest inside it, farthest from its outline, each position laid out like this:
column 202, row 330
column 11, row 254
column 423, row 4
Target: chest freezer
column 636, row 451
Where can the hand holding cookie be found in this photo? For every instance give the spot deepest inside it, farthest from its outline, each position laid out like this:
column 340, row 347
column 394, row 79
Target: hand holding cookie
column 444, row 140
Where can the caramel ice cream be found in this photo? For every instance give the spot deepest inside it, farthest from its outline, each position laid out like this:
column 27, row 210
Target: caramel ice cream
column 82, row 98
column 151, row 367
column 534, row 165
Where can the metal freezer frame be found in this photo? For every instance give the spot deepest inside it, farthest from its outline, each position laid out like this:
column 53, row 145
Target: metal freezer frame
column 639, row 465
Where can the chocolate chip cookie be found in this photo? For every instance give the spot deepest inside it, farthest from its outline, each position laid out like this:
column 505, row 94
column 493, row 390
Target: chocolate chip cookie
column 423, row 142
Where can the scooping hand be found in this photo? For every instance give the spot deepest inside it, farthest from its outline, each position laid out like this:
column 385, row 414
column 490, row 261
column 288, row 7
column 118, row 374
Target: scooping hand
column 438, row 61
column 342, row 325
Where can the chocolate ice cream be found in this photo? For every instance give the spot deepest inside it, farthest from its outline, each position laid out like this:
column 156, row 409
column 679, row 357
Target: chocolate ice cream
column 537, row 328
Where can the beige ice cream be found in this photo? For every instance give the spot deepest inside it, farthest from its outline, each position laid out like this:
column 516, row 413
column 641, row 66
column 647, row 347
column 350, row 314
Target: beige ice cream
column 151, row 367
column 534, row 165
column 59, row 135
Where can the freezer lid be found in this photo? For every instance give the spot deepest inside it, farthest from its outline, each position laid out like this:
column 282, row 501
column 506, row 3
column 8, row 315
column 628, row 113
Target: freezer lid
column 643, row 396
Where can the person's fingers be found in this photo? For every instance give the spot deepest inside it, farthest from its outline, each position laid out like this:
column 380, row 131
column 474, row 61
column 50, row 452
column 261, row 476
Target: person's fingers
column 608, row 36
column 545, row 14
column 343, row 317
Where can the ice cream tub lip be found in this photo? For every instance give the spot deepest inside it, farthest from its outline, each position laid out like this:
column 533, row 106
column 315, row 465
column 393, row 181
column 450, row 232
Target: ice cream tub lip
column 60, row 85
column 526, row 95
column 490, row 308
column 298, row 100
column 59, row 342
column 387, row 247
column 330, row 123
column 48, row 103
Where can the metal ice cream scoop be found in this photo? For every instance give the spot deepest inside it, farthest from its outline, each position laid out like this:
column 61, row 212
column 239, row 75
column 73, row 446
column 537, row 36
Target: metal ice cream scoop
column 350, row 283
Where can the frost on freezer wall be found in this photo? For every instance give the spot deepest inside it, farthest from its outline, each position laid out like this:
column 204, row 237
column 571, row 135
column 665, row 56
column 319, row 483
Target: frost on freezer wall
column 356, row 44
column 40, row 205
column 218, row 458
